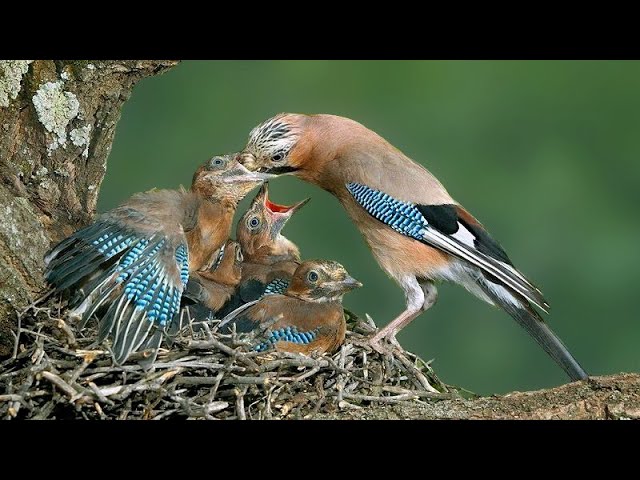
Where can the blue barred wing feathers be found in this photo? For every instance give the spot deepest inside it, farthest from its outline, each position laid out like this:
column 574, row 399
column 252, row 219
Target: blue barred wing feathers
column 129, row 269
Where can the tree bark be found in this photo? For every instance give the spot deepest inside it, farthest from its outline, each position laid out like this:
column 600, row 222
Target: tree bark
column 57, row 121
column 614, row 397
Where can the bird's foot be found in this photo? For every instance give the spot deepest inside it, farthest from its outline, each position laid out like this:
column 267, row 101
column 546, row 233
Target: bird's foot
column 377, row 346
column 384, row 345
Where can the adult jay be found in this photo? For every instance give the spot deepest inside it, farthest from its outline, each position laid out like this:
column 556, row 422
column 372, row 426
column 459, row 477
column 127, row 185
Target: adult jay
column 416, row 231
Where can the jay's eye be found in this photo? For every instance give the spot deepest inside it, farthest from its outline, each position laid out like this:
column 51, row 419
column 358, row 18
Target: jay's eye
column 312, row 276
column 253, row 222
column 277, row 157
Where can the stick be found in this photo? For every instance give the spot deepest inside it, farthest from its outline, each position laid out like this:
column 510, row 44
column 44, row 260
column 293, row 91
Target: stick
column 240, row 403
column 67, row 389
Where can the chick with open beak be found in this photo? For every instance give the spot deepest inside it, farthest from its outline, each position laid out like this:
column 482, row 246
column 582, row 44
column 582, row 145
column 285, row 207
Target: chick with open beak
column 269, row 258
column 307, row 318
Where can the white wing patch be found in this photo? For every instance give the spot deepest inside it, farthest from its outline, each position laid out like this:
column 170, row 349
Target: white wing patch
column 463, row 235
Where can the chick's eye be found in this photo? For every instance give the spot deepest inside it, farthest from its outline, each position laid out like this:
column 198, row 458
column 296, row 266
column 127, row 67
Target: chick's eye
column 312, row 276
column 277, row 157
column 254, row 222
column 217, row 162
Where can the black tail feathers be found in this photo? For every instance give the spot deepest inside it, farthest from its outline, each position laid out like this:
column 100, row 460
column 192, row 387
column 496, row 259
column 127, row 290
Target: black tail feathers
column 531, row 321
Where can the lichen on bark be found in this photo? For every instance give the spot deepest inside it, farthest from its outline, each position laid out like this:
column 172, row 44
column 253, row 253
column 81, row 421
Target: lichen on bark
column 57, row 122
column 56, row 108
column 11, row 73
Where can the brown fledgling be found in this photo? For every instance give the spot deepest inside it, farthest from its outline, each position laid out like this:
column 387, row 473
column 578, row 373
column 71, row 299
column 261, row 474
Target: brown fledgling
column 269, row 257
column 308, row 317
column 213, row 288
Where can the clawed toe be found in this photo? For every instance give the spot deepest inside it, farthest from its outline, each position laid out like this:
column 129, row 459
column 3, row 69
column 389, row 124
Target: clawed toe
column 384, row 345
column 377, row 346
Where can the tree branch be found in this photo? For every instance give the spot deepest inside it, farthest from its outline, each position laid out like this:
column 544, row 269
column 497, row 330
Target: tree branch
column 612, row 397
column 57, row 121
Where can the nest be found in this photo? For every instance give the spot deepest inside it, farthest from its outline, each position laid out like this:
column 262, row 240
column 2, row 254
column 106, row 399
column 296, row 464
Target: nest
column 59, row 373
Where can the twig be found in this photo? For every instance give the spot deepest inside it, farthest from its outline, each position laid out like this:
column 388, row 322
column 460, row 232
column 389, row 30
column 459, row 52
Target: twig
column 213, row 343
column 237, row 380
column 240, row 392
column 67, row 389
column 370, row 398
column 416, row 373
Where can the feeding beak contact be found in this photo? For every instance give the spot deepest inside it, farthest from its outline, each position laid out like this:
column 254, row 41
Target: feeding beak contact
column 242, row 174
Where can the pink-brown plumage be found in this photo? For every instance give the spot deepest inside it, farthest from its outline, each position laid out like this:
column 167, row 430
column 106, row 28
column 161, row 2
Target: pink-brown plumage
column 416, row 231
column 310, row 309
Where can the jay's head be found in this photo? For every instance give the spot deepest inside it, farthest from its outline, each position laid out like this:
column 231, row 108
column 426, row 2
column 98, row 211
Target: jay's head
column 259, row 229
column 277, row 145
column 321, row 281
column 224, row 177
column 227, row 268
column 306, row 145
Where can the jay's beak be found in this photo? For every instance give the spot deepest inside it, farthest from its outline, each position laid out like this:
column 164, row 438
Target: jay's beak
column 285, row 210
column 241, row 174
column 347, row 284
column 279, row 214
column 249, row 161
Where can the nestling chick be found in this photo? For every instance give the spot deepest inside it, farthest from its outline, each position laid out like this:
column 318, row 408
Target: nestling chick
column 308, row 317
column 131, row 265
column 207, row 291
column 416, row 231
column 269, row 257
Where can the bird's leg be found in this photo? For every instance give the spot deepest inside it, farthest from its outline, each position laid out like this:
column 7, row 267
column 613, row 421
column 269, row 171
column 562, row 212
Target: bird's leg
column 420, row 297
column 430, row 296
column 389, row 332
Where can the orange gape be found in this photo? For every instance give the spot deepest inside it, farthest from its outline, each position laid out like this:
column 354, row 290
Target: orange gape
column 417, row 232
column 269, row 257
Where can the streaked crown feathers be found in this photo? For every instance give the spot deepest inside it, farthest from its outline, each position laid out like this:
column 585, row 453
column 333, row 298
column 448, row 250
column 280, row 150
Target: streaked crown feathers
column 273, row 137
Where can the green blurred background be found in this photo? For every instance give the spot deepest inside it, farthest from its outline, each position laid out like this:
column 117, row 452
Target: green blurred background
column 545, row 154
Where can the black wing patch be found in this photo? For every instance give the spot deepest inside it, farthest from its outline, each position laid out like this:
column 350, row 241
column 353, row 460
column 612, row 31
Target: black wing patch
column 243, row 323
column 448, row 219
column 251, row 290
column 442, row 217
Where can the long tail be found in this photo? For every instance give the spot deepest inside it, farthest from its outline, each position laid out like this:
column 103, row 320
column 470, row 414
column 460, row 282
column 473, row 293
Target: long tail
column 532, row 322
